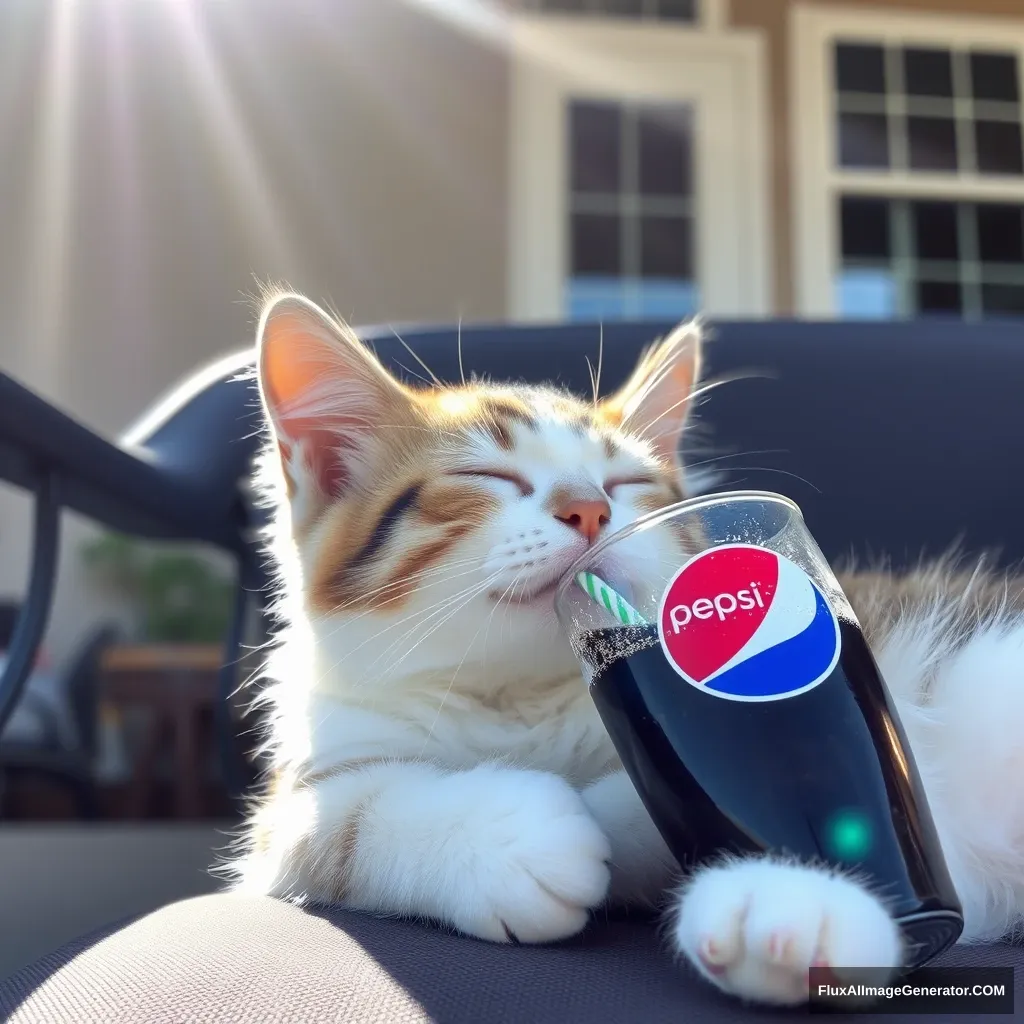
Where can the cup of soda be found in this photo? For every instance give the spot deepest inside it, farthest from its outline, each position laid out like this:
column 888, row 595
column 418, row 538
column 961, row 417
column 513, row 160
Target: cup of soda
column 737, row 687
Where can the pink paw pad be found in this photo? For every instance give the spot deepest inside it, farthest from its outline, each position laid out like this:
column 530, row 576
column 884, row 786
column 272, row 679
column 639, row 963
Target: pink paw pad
column 780, row 946
column 712, row 956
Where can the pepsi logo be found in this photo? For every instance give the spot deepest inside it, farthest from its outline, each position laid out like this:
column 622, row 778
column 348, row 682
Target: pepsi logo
column 747, row 624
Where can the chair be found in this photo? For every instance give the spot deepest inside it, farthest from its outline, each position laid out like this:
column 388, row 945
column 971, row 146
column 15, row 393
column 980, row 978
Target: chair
column 886, row 434
column 65, row 760
column 8, row 618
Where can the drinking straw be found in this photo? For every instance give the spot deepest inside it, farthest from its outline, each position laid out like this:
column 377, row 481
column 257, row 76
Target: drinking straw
column 615, row 603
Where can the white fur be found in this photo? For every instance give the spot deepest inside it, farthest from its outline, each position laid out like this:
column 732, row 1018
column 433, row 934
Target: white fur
column 500, row 809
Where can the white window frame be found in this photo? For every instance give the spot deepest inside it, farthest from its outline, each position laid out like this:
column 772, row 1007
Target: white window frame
column 711, row 14
column 816, row 181
column 551, row 60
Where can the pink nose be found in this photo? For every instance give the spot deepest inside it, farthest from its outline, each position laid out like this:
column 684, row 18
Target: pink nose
column 586, row 516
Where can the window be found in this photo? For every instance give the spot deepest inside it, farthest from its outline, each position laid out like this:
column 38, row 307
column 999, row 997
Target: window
column 909, row 169
column 930, row 257
column 637, row 171
column 918, row 109
column 653, row 10
column 630, row 211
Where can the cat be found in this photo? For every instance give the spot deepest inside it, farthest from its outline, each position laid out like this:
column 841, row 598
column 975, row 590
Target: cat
column 434, row 751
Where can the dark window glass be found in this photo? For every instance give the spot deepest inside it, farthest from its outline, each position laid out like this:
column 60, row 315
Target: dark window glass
column 998, row 146
column 665, row 247
column 624, row 8
column 678, row 10
column 994, row 76
column 938, row 297
column 574, row 6
column 865, row 228
column 859, row 68
column 595, row 244
column 935, row 231
column 928, row 72
column 1005, row 299
column 863, row 140
column 932, row 143
column 595, row 130
column 1000, row 238
column 668, row 10
column 664, row 144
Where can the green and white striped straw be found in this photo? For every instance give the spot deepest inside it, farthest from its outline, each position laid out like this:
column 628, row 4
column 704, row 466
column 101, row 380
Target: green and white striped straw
column 615, row 603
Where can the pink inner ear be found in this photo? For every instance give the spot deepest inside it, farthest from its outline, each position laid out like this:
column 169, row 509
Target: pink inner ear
column 327, row 464
column 323, row 457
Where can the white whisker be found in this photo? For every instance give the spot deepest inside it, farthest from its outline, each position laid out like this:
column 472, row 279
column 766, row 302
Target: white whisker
column 408, row 348
column 462, row 372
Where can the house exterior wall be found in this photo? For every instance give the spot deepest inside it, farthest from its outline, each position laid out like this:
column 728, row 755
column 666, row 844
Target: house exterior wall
column 152, row 164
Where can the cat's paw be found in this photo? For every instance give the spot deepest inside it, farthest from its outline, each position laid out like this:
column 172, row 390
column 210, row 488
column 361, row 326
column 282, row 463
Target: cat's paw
column 540, row 863
column 755, row 927
column 643, row 867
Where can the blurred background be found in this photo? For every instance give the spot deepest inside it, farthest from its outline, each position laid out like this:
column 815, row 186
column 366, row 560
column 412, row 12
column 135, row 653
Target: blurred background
column 424, row 161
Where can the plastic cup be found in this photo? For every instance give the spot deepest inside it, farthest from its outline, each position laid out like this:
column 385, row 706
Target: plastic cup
column 746, row 706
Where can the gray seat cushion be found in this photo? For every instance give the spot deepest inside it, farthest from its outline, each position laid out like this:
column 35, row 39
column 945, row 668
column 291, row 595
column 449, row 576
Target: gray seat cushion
column 231, row 959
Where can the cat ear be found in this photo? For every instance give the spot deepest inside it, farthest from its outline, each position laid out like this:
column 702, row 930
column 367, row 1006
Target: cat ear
column 324, row 393
column 655, row 402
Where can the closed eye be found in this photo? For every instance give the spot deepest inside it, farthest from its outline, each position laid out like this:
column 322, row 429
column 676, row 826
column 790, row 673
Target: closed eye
column 627, row 481
column 525, row 487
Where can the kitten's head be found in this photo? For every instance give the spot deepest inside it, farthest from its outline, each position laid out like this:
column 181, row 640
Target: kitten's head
column 430, row 525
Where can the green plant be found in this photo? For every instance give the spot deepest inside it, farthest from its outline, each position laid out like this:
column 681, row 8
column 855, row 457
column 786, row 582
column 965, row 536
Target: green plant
column 178, row 596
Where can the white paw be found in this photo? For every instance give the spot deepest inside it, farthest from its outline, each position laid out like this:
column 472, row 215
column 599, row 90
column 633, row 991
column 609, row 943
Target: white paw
column 755, row 927
column 642, row 866
column 540, row 863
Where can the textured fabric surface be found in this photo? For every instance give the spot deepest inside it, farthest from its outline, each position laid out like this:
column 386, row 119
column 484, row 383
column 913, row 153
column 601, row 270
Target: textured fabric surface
column 228, row 959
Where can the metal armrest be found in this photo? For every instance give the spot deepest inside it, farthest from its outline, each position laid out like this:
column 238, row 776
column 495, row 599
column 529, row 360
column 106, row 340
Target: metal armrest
column 152, row 485
column 128, row 487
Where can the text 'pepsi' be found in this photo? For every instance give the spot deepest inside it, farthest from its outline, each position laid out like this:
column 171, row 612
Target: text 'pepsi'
column 746, row 623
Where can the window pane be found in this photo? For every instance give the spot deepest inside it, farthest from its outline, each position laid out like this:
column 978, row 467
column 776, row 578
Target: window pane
column 863, row 140
column 665, row 247
column 938, row 297
column 678, row 10
column 1000, row 238
column 859, row 68
column 866, row 294
column 625, row 8
column 595, row 130
column 664, row 140
column 1002, row 299
column 994, row 76
column 595, row 244
column 935, row 231
column 998, row 145
column 932, row 143
column 930, row 267
column 573, row 6
column 928, row 72
column 865, row 227
column 668, row 10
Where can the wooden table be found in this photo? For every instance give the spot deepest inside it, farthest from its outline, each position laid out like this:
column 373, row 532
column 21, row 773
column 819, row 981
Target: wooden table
column 177, row 688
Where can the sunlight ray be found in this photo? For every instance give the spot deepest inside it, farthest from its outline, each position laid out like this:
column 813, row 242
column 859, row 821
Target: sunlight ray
column 245, row 187
column 52, row 198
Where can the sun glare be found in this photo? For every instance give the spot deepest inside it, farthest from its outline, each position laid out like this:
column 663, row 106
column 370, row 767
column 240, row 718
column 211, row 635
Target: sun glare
column 208, row 50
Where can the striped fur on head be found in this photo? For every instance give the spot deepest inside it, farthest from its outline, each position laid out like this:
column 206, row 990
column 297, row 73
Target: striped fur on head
column 423, row 522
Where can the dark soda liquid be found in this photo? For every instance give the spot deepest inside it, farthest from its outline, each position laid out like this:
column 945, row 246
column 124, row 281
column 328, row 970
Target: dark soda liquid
column 826, row 775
